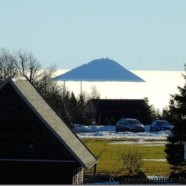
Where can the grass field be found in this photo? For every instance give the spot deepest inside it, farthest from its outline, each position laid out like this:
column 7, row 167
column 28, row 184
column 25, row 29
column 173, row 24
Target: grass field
column 109, row 160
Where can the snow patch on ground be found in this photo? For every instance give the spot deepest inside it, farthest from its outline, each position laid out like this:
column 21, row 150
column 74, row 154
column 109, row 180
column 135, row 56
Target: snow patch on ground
column 108, row 132
column 162, row 160
column 140, row 142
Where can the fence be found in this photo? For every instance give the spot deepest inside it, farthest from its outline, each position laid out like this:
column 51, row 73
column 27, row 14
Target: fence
column 106, row 177
column 182, row 180
column 154, row 181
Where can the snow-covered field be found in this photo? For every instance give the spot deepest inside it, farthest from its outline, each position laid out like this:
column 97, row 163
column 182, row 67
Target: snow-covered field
column 108, row 132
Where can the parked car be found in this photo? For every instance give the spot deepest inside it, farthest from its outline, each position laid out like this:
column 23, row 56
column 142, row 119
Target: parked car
column 129, row 124
column 160, row 125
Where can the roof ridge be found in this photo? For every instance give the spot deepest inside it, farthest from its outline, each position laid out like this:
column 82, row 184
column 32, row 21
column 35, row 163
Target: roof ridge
column 52, row 121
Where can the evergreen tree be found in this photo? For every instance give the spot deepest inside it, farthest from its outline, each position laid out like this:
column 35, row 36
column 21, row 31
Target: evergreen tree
column 177, row 116
column 147, row 112
column 82, row 113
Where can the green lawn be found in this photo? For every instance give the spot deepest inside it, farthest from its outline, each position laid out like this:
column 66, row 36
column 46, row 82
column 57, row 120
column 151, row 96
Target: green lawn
column 110, row 157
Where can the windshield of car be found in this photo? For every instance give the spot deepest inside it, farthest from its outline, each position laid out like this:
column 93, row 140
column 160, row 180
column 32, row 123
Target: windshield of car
column 163, row 123
column 133, row 122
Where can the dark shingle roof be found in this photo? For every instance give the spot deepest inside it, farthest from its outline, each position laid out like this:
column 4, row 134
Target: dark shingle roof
column 39, row 106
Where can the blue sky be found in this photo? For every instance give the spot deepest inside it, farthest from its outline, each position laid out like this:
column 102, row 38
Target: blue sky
column 138, row 34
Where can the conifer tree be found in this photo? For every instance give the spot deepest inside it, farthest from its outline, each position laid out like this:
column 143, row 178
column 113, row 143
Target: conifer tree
column 147, row 112
column 175, row 147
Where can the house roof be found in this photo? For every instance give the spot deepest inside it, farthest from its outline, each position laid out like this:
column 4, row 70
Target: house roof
column 39, row 106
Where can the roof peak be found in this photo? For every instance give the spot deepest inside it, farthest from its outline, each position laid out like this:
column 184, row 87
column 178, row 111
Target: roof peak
column 51, row 120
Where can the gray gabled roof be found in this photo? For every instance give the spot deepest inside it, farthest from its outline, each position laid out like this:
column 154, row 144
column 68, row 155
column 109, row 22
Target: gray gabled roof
column 39, row 106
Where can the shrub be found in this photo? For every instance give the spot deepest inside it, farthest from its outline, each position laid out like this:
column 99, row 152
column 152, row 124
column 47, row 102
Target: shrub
column 132, row 162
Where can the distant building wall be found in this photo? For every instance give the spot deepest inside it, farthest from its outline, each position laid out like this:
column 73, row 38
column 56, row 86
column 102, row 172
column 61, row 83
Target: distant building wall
column 103, row 111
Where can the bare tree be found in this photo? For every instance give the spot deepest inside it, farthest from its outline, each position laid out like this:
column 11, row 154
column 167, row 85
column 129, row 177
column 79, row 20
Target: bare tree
column 28, row 65
column 43, row 80
column 24, row 63
column 132, row 162
column 94, row 94
column 19, row 63
column 8, row 64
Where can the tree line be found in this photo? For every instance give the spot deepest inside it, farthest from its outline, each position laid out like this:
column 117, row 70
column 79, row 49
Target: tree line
column 68, row 106
column 70, row 109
